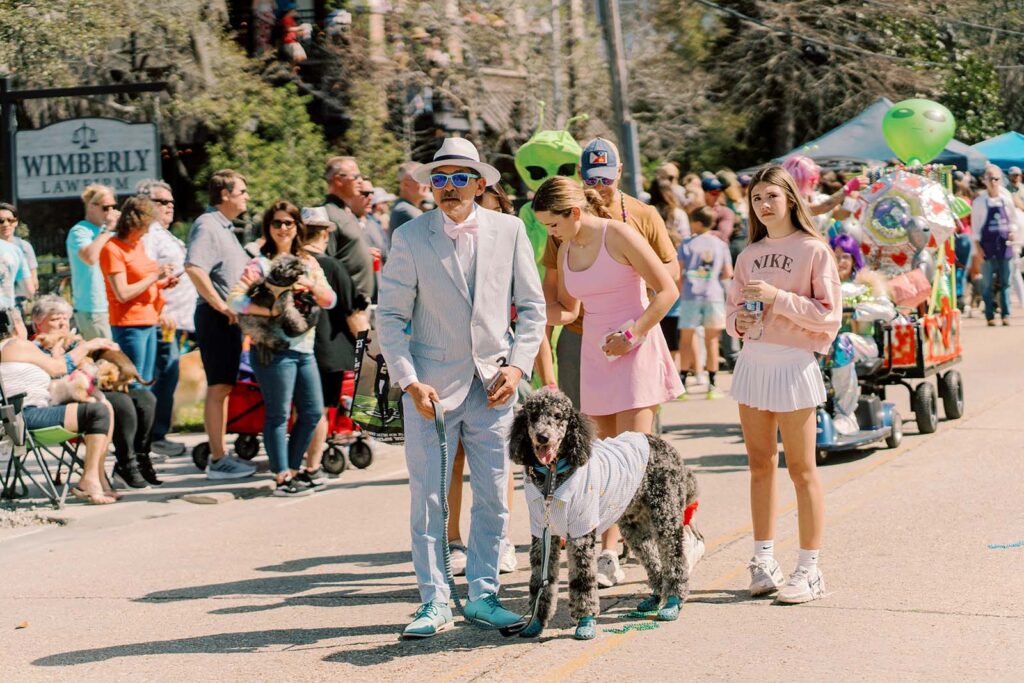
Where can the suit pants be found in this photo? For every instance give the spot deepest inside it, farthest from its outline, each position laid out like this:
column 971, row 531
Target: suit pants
column 484, row 436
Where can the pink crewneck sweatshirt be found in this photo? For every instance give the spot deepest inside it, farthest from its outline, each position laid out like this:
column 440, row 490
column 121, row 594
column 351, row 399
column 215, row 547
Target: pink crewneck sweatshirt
column 808, row 310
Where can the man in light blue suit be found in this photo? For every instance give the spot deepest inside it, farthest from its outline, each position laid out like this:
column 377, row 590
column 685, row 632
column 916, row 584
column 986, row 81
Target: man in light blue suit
column 454, row 274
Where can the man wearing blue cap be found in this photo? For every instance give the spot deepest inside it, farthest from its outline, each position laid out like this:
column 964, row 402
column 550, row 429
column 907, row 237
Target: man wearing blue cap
column 601, row 170
column 725, row 219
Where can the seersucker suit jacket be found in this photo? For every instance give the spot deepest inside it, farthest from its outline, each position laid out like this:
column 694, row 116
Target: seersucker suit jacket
column 455, row 335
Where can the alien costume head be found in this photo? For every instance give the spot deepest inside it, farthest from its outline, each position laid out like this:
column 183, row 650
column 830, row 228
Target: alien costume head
column 549, row 153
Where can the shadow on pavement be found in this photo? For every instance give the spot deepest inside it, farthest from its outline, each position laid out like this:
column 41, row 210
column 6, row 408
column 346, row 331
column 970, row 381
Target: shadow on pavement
column 697, row 430
column 364, row 560
column 720, row 597
column 218, row 643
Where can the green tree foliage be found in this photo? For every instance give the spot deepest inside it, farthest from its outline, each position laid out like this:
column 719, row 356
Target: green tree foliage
column 973, row 94
column 368, row 139
column 267, row 136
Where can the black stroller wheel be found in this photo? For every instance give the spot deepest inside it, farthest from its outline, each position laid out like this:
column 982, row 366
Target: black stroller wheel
column 247, row 446
column 201, row 455
column 360, row 454
column 334, row 460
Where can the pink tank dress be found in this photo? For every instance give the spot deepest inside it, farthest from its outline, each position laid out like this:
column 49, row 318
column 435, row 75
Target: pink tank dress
column 612, row 294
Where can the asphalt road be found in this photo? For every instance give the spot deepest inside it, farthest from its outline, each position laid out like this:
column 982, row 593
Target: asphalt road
column 156, row 588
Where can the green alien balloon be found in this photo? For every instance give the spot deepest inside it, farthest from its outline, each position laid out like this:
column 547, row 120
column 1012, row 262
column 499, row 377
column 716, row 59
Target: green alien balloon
column 918, row 130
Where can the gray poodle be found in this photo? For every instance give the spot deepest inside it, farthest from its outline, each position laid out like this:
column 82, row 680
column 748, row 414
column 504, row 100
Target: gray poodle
column 548, row 431
column 293, row 312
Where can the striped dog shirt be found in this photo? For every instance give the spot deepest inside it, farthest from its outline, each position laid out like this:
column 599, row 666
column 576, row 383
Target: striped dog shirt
column 596, row 495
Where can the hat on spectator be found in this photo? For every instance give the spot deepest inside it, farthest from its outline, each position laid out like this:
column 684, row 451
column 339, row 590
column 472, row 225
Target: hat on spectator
column 316, row 215
column 1014, row 170
column 457, row 152
column 744, row 179
column 382, row 196
column 600, row 159
column 711, row 184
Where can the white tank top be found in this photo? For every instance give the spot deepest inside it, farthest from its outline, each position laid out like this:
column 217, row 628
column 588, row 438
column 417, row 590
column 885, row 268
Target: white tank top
column 25, row 377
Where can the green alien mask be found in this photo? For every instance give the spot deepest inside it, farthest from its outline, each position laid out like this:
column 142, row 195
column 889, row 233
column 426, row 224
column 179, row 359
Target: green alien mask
column 918, row 130
column 549, row 153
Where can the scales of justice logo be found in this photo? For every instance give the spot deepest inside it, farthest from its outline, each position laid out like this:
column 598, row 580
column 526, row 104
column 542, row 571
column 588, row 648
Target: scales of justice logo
column 84, row 136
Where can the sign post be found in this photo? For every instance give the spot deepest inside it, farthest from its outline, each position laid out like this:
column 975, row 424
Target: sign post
column 8, row 122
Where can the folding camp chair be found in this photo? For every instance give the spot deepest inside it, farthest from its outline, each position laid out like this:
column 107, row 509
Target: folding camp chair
column 53, row 443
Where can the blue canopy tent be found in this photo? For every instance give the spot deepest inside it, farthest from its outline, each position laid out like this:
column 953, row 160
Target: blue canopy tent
column 1004, row 150
column 860, row 141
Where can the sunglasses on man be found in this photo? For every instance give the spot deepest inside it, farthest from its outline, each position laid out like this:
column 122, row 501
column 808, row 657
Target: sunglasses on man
column 592, row 182
column 440, row 180
column 366, row 193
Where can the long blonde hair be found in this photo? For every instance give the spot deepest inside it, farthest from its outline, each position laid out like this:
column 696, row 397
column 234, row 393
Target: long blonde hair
column 799, row 214
column 560, row 195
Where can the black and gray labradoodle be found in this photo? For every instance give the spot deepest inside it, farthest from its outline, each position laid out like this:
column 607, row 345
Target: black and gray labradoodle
column 549, row 429
column 294, row 312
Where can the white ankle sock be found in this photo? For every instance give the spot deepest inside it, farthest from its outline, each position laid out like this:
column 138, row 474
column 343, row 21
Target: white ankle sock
column 764, row 550
column 808, row 558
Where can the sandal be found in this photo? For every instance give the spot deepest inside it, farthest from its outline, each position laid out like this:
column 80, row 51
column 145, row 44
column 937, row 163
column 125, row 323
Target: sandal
column 92, row 498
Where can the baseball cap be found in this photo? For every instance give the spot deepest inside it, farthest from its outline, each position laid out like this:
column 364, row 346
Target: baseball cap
column 1014, row 170
column 600, row 159
column 711, row 184
column 744, row 179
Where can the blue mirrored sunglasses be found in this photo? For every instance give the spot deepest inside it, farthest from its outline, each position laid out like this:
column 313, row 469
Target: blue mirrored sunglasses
column 440, row 180
column 592, row 182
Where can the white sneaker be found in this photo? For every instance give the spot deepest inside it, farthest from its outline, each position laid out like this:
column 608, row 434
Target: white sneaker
column 765, row 576
column 608, row 571
column 508, row 562
column 803, row 585
column 693, row 548
column 457, row 556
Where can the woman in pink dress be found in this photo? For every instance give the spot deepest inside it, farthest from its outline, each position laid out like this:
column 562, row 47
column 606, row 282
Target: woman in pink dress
column 626, row 369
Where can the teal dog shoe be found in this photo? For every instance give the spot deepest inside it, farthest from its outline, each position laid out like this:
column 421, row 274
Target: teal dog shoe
column 586, row 629
column 649, row 604
column 430, row 619
column 532, row 630
column 670, row 612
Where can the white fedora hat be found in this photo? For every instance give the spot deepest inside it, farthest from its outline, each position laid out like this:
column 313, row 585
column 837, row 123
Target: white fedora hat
column 457, row 152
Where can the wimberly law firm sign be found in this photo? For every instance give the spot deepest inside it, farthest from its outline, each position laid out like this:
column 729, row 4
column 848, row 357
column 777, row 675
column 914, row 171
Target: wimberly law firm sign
column 59, row 161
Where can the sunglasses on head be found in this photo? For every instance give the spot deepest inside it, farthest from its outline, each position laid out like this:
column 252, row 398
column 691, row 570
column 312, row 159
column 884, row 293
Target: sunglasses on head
column 440, row 180
column 592, row 182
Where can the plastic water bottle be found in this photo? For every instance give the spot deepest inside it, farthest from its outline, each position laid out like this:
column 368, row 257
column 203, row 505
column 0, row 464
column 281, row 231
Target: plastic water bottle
column 757, row 329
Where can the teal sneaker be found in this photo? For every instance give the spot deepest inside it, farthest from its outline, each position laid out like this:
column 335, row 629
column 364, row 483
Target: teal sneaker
column 670, row 612
column 430, row 619
column 488, row 610
column 649, row 604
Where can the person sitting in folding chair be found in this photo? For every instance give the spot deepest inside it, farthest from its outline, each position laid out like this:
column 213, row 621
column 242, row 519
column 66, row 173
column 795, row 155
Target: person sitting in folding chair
column 25, row 369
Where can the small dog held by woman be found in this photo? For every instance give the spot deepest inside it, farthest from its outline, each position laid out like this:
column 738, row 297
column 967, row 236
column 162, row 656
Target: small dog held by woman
column 635, row 480
column 294, row 311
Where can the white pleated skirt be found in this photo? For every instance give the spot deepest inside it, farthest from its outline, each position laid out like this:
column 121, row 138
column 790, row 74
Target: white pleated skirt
column 777, row 378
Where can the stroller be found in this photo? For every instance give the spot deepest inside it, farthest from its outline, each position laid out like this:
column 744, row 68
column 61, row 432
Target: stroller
column 343, row 433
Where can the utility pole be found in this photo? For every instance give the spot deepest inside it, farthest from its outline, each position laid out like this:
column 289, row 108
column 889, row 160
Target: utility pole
column 556, row 63
column 629, row 145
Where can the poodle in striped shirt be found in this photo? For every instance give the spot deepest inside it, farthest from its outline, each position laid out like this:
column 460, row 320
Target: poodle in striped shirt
column 637, row 481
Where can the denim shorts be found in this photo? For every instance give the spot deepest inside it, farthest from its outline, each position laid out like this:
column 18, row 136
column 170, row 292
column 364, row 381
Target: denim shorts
column 41, row 417
column 694, row 313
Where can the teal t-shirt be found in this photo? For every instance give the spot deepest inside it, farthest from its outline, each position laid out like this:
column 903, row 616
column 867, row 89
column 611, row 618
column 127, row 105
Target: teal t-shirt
column 13, row 269
column 88, row 292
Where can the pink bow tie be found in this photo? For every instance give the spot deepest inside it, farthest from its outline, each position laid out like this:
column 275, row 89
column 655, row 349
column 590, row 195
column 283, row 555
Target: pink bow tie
column 453, row 230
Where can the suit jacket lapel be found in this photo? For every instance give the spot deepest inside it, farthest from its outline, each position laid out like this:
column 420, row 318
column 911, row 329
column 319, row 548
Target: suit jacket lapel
column 486, row 236
column 445, row 249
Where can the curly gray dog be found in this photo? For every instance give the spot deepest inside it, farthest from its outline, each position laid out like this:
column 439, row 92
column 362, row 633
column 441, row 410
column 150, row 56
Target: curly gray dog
column 641, row 482
column 293, row 312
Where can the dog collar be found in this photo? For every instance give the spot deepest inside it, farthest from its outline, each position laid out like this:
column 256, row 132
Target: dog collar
column 561, row 467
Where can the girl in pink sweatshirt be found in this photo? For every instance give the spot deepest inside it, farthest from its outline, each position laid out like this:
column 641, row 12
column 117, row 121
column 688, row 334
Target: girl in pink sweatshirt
column 790, row 270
